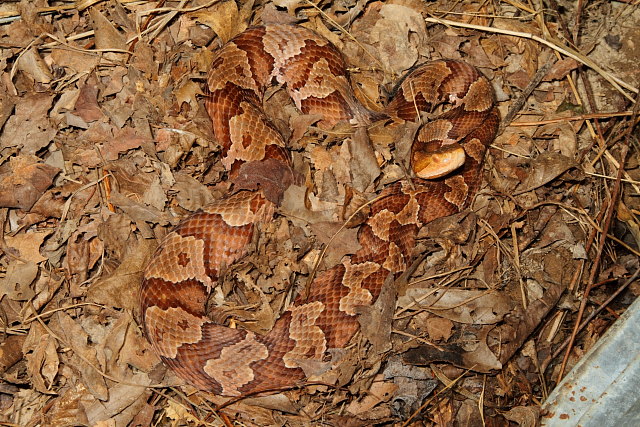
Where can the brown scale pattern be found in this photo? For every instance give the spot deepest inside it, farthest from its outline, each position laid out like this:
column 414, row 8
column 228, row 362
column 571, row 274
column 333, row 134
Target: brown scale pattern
column 187, row 263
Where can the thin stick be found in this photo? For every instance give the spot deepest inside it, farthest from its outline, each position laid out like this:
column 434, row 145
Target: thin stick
column 611, row 208
column 589, row 318
column 344, row 30
column 517, row 106
column 324, row 250
column 565, row 50
column 573, row 118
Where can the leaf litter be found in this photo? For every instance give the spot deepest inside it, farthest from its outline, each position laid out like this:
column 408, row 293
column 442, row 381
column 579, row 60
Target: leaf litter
column 105, row 145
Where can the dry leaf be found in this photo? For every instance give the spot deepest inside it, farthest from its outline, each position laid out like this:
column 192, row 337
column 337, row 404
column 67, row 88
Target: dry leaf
column 414, row 385
column 23, row 181
column 222, row 17
column 398, row 52
column 120, row 289
column 364, row 164
column 544, row 169
column 29, row 127
column 78, row 62
column 271, row 176
column 380, row 391
column 524, row 416
column 461, row 305
column 291, row 5
column 68, row 409
column 561, row 69
column 28, row 245
column 439, row 328
column 293, row 206
column 17, row 281
column 87, row 102
column 84, row 358
column 106, row 35
column 375, row 320
column 10, row 351
column 468, row 350
column 42, row 364
column 124, row 402
column 343, row 243
column 32, row 64
column 188, row 93
column 123, row 141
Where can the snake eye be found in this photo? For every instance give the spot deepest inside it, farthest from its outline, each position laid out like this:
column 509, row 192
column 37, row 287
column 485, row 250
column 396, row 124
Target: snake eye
column 431, row 165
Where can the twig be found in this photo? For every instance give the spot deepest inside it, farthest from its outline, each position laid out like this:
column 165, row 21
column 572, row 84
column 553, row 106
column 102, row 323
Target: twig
column 611, row 209
column 589, row 318
column 565, row 50
column 573, row 118
column 14, row 15
column 320, row 257
column 344, row 30
column 522, row 99
column 179, row 10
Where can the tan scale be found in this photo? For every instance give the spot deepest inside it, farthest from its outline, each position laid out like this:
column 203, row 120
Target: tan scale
column 234, row 59
column 409, row 213
column 380, row 224
column 310, row 339
column 457, row 190
column 232, row 368
column 322, row 83
column 479, row 97
column 238, row 210
column 244, row 128
column 185, row 255
column 353, row 277
column 173, row 328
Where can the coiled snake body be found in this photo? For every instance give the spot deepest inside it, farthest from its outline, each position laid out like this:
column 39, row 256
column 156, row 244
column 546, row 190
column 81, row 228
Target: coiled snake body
column 187, row 264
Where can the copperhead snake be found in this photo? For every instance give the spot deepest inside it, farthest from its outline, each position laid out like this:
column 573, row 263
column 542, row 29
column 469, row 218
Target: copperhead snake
column 448, row 151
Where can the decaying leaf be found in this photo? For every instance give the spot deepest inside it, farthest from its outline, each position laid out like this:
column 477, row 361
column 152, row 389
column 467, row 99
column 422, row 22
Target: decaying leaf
column 106, row 35
column 23, row 181
column 465, row 306
column 380, row 391
column 120, row 288
column 223, row 19
column 32, row 64
column 85, row 360
column 17, row 282
column 42, row 364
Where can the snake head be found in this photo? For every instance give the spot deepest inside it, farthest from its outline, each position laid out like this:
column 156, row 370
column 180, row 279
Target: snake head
column 431, row 164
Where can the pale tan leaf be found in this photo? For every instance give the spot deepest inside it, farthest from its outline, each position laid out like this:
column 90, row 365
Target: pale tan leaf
column 42, row 364
column 222, row 17
column 32, row 64
column 106, row 35
column 84, row 358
